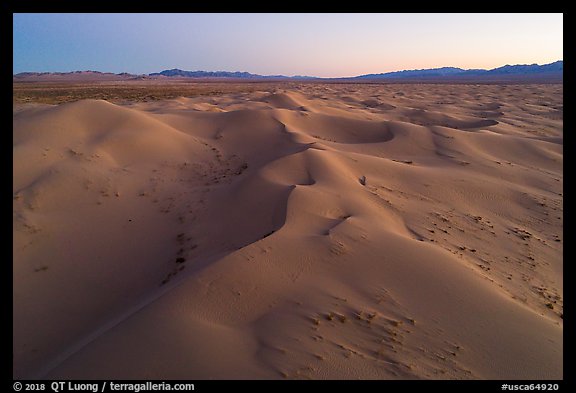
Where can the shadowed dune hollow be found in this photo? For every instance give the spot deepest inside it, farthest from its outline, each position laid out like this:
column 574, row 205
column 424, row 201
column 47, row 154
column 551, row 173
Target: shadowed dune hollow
column 308, row 232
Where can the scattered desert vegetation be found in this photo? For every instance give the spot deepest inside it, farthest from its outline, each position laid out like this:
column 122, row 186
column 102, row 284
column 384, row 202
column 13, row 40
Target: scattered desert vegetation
column 57, row 92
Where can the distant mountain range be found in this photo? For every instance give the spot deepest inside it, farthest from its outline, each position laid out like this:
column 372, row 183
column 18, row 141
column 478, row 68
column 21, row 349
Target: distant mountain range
column 88, row 76
column 175, row 72
column 449, row 72
column 552, row 71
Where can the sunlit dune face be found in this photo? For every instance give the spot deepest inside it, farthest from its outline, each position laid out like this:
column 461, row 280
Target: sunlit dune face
column 288, row 231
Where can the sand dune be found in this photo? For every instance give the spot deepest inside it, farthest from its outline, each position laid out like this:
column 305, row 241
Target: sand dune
column 302, row 232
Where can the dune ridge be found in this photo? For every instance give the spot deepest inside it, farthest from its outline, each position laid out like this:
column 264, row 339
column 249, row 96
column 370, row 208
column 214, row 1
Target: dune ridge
column 308, row 232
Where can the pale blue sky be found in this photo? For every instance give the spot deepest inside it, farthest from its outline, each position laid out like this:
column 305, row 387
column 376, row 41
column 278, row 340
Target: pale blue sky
column 326, row 45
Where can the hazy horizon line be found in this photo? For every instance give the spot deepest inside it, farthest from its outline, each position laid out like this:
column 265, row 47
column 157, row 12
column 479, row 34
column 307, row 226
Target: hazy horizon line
column 272, row 75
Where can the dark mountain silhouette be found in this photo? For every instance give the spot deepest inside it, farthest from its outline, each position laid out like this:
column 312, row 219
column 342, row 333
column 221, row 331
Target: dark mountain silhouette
column 78, row 76
column 415, row 73
column 557, row 66
column 552, row 71
column 175, row 72
column 450, row 72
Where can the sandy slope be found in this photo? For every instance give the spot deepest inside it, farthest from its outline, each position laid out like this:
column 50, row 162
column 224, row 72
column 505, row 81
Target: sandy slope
column 315, row 231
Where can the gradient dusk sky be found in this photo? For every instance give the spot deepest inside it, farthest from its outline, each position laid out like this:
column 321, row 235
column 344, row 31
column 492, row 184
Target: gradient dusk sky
column 325, row 45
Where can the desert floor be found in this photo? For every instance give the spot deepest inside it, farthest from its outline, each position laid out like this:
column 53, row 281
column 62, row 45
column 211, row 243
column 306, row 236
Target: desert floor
column 290, row 231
